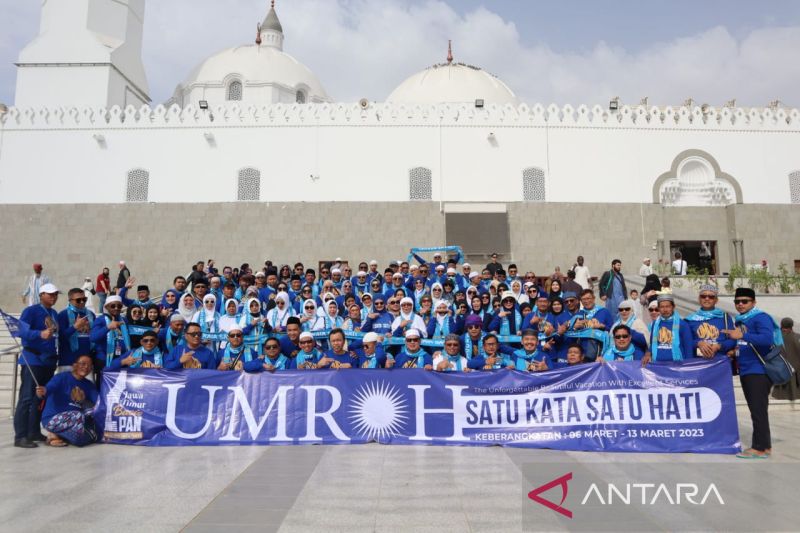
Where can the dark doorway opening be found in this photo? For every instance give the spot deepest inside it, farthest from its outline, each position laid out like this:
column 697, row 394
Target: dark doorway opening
column 700, row 255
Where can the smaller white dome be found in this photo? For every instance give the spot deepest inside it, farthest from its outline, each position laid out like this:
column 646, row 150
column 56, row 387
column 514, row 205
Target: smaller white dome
column 453, row 83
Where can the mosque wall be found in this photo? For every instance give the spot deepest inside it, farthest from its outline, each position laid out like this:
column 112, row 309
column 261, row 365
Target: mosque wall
column 333, row 152
column 159, row 240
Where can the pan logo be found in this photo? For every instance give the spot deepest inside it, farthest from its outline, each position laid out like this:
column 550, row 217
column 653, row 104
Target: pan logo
column 124, row 410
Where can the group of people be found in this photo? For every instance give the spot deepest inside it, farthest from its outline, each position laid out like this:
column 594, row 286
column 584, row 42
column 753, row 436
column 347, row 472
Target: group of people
column 436, row 315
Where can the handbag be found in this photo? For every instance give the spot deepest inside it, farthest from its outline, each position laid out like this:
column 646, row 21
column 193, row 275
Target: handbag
column 777, row 368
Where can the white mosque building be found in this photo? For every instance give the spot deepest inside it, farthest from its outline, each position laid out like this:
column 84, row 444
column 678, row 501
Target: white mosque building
column 251, row 139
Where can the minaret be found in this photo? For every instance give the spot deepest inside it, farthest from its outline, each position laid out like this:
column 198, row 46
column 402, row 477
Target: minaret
column 271, row 29
column 87, row 53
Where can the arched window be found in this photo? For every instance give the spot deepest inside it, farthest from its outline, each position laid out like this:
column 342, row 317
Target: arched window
column 420, row 184
column 300, row 97
column 249, row 185
column 794, row 186
column 235, row 90
column 533, row 185
column 138, row 185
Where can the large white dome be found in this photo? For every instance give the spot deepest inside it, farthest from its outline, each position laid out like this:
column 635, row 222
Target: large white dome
column 257, row 66
column 453, row 83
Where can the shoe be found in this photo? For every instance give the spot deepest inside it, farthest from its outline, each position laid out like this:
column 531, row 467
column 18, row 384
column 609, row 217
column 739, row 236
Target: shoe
column 752, row 454
column 25, row 443
column 38, row 437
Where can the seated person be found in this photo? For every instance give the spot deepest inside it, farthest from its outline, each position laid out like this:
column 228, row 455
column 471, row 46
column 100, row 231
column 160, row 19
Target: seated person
column 309, row 355
column 338, row 357
column 371, row 354
column 68, row 410
column 451, row 360
column 235, row 355
column 528, row 358
column 623, row 348
column 412, row 355
column 272, row 359
column 193, row 354
column 147, row 355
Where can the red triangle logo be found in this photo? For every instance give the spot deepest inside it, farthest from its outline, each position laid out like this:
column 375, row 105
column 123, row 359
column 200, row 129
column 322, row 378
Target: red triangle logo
column 535, row 494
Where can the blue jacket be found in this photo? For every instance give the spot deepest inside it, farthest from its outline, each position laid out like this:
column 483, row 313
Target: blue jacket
column 65, row 332
column 662, row 351
column 207, row 359
column 37, row 351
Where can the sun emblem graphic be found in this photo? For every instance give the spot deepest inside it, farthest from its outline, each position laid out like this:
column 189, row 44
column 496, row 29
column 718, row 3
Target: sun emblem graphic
column 378, row 411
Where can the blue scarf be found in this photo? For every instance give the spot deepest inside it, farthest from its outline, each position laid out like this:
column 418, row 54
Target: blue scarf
column 626, row 355
column 442, row 328
column 279, row 363
column 523, row 359
column 454, row 359
column 204, row 325
column 172, row 340
column 505, row 327
column 372, row 361
column 243, row 351
column 73, row 313
column 777, row 336
column 586, row 333
column 468, row 346
column 676, row 329
column 139, row 354
column 311, row 357
column 419, row 355
column 115, row 336
column 701, row 315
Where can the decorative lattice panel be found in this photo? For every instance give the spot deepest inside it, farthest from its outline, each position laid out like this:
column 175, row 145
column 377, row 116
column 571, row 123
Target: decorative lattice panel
column 533, row 185
column 420, row 184
column 249, row 185
column 235, row 90
column 138, row 184
column 794, row 186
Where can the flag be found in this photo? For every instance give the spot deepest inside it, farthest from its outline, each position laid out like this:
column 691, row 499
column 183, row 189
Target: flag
column 13, row 324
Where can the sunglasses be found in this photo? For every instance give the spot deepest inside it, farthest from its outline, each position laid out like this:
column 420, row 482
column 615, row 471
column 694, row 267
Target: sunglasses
column 621, row 336
column 80, row 300
column 272, row 347
column 148, row 340
column 473, row 326
column 742, row 301
column 193, row 334
column 653, row 309
column 309, row 308
column 708, row 297
column 235, row 335
column 114, row 306
column 621, row 309
column 412, row 340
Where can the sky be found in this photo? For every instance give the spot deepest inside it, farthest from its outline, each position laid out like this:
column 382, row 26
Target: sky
column 560, row 51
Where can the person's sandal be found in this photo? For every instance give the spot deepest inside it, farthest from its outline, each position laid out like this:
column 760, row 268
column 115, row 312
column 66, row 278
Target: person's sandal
column 750, row 453
column 55, row 442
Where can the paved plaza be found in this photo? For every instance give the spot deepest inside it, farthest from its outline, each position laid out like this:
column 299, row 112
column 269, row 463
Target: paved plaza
column 303, row 488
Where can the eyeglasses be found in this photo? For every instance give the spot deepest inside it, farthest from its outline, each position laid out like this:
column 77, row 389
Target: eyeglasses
column 235, row 335
column 406, row 305
column 114, row 306
column 708, row 297
column 272, row 347
column 621, row 336
column 653, row 309
column 309, row 308
column 80, row 300
column 412, row 339
column 742, row 301
column 621, row 309
column 452, row 344
column 193, row 334
column 378, row 303
column 306, row 341
column 393, row 303
column 473, row 326
column 147, row 340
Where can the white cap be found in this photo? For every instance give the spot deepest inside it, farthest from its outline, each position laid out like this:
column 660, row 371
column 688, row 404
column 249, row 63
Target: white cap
column 361, row 274
column 370, row 337
column 451, row 270
column 653, row 305
column 176, row 317
column 528, row 284
column 439, row 267
column 335, row 270
column 121, row 262
column 113, row 299
column 466, row 265
column 406, row 300
column 508, row 294
column 411, row 267
column 234, row 327
column 437, row 254
column 306, row 335
column 473, row 274
column 260, row 274
column 338, row 259
column 373, row 262
column 397, row 275
column 412, row 333
column 49, row 288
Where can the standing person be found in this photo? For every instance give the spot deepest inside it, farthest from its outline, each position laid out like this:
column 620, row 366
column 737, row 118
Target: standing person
column 110, row 335
column 74, row 324
column 582, row 275
column 679, row 266
column 670, row 336
column 791, row 349
column 570, row 285
column 707, row 324
column 612, row 287
column 590, row 326
column 494, row 265
column 122, row 277
column 103, row 287
column 88, row 291
column 34, row 283
column 39, row 334
column 756, row 333
column 645, row 270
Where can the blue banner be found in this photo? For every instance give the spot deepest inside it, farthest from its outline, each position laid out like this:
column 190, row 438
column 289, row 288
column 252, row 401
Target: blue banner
column 617, row 406
column 12, row 324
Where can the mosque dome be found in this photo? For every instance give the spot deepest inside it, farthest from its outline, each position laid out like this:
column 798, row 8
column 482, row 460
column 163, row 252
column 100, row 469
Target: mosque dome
column 453, row 82
column 260, row 73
